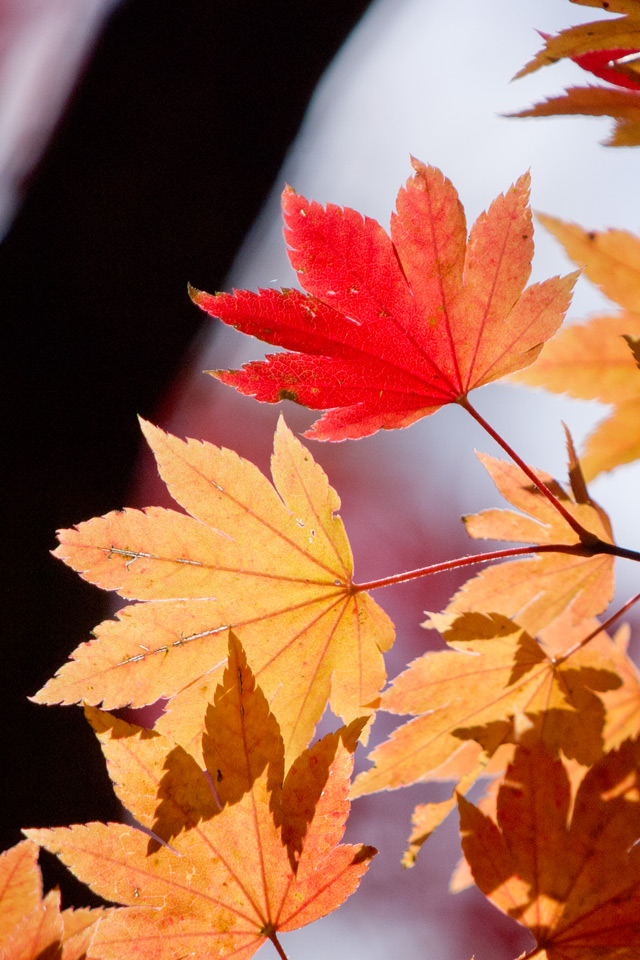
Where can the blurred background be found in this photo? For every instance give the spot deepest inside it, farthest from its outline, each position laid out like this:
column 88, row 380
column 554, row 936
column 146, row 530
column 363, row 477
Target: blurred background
column 144, row 144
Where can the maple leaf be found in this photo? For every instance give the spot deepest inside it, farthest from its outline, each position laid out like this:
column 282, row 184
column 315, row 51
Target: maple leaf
column 274, row 564
column 493, row 677
column 536, row 590
column 622, row 706
column 621, row 34
column 592, row 361
column 622, row 105
column 622, row 703
column 33, row 927
column 264, row 857
column 427, row 817
column 609, row 49
column 393, row 328
column 20, row 884
column 564, row 863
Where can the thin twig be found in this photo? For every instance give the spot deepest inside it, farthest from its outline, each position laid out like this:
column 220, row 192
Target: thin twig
column 599, row 629
column 577, row 549
column 585, row 535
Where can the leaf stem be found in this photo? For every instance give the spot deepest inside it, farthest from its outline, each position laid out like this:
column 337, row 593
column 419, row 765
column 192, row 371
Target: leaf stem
column 274, row 940
column 578, row 549
column 599, row 629
column 585, row 535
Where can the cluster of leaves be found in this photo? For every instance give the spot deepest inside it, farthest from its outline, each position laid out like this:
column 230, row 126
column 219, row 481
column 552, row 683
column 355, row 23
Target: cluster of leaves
column 247, row 620
column 609, row 49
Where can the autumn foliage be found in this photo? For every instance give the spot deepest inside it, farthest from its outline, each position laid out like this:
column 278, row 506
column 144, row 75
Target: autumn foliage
column 365, row 350
column 246, row 620
column 610, row 50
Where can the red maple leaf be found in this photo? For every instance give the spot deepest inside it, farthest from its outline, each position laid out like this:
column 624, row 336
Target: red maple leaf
column 393, row 328
column 597, row 62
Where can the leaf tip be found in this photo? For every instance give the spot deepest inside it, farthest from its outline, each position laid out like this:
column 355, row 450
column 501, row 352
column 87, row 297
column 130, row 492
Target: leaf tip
column 522, row 186
column 634, row 345
column 149, row 431
column 350, row 735
column 364, row 853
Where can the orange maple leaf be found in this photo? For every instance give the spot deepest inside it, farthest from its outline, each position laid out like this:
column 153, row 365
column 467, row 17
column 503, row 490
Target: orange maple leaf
column 274, row 564
column 494, row 681
column 564, row 863
column 250, row 855
column 535, row 591
column 622, row 105
column 393, row 328
column 592, row 361
column 622, row 706
column 609, row 49
column 618, row 34
column 33, row 927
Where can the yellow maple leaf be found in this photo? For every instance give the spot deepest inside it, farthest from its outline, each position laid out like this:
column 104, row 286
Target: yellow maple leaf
column 564, row 862
column 607, row 48
column 273, row 563
column 33, row 927
column 596, row 360
column 494, row 678
column 535, row 591
column 251, row 852
column 622, row 105
column 622, row 33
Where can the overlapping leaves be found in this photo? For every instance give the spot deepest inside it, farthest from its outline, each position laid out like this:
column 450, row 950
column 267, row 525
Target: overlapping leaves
column 468, row 703
column 594, row 361
column 609, row 49
column 273, row 563
column 249, row 854
column 492, row 675
column 563, row 859
column 238, row 845
column 33, row 927
column 535, row 591
column 621, row 33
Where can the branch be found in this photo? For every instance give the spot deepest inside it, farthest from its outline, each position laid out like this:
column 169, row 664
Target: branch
column 585, row 535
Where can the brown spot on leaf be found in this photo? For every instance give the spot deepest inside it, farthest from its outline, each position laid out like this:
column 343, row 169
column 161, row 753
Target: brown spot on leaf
column 287, row 395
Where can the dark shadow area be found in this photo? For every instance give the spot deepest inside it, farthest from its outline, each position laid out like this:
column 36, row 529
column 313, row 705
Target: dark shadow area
column 171, row 141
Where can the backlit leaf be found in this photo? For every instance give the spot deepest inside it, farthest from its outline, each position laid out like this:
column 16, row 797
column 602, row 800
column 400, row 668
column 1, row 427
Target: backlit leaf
column 609, row 49
column 613, row 35
column 536, row 590
column 623, row 704
column 594, row 361
column 622, row 105
column 267, row 858
column 20, row 885
column 394, row 327
column 274, row 563
column 493, row 676
column 565, row 864
column 33, row 927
